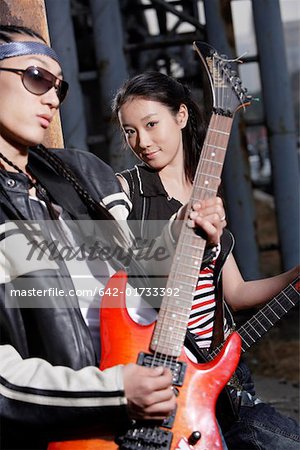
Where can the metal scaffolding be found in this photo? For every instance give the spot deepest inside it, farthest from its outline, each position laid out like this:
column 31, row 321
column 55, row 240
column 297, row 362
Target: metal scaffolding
column 101, row 42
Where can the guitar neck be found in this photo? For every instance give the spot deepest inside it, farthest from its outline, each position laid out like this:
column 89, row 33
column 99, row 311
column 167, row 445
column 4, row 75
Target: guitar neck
column 175, row 310
column 269, row 315
column 266, row 317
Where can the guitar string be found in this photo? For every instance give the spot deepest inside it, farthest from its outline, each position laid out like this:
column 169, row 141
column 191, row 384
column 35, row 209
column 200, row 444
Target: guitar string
column 224, row 94
column 267, row 312
column 166, row 307
column 287, row 293
column 170, row 334
column 169, row 358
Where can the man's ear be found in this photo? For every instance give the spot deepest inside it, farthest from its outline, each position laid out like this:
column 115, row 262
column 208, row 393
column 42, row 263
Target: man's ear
column 182, row 116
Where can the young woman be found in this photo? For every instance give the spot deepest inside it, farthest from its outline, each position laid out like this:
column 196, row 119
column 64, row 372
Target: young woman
column 164, row 128
column 55, row 262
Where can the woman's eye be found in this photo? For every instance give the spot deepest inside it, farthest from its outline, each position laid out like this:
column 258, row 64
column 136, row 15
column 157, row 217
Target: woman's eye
column 129, row 132
column 151, row 124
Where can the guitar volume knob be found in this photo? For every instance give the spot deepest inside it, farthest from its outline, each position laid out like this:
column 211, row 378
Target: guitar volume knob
column 194, row 437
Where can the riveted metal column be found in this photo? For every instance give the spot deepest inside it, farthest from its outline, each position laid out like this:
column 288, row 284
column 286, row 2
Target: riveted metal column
column 236, row 178
column 111, row 65
column 276, row 92
column 63, row 41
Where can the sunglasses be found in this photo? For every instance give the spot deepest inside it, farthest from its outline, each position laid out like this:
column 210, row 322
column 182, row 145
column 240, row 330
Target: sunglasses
column 38, row 81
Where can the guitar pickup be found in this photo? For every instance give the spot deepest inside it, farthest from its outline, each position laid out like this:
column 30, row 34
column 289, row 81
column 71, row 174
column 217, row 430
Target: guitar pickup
column 145, row 438
column 177, row 368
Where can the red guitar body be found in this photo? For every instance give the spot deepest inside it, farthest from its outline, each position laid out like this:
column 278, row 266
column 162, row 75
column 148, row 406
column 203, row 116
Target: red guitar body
column 122, row 340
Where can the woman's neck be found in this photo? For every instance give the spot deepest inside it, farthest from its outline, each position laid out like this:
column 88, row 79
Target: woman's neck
column 176, row 183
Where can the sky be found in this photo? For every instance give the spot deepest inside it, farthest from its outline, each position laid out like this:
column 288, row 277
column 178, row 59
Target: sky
column 245, row 38
column 290, row 11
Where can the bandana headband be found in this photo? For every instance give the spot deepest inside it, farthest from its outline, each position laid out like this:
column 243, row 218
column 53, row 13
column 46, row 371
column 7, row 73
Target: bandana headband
column 22, row 48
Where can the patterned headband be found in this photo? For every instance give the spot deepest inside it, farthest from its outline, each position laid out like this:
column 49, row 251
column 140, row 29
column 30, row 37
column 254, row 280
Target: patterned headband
column 22, row 48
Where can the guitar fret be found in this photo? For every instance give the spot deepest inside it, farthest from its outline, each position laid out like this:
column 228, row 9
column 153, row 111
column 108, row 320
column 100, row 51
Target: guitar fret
column 254, row 329
column 219, row 131
column 245, row 342
column 176, row 330
column 280, row 305
column 289, row 299
column 208, row 175
column 188, row 275
column 217, row 163
column 192, row 267
column 250, row 336
column 273, row 311
column 193, row 255
column 214, row 146
column 178, row 313
column 207, row 189
column 267, row 318
column 261, row 322
column 189, row 265
column 255, row 318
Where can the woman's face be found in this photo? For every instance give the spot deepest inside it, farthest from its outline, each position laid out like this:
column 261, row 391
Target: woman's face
column 153, row 133
column 24, row 117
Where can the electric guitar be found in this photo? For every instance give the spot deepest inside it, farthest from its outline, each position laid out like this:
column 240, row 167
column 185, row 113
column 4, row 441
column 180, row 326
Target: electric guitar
column 250, row 332
column 193, row 425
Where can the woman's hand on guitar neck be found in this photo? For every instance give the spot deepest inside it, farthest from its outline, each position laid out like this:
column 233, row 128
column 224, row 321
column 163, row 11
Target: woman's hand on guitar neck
column 209, row 215
column 149, row 392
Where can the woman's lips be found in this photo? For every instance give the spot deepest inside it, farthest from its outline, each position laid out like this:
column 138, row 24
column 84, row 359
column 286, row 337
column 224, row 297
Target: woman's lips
column 150, row 155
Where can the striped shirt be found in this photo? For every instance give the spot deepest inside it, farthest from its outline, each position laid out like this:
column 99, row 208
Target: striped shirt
column 201, row 321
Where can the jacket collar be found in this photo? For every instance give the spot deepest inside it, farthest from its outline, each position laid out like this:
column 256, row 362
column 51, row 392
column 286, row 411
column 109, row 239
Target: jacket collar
column 61, row 191
column 150, row 184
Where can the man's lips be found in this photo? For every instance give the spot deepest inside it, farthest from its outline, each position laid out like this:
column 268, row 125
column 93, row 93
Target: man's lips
column 45, row 120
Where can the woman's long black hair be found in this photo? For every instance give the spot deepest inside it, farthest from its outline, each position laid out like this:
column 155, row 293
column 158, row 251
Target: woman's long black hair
column 166, row 90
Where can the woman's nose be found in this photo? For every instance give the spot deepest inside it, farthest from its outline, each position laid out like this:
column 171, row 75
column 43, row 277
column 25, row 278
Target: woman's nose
column 144, row 140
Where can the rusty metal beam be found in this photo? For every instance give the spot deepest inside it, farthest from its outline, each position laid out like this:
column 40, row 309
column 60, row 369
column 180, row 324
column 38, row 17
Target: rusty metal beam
column 32, row 13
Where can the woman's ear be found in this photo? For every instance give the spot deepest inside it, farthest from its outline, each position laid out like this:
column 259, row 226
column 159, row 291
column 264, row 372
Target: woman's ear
column 182, row 116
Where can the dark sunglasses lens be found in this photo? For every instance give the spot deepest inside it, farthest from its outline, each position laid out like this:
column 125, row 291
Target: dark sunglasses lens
column 34, row 80
column 38, row 81
column 62, row 90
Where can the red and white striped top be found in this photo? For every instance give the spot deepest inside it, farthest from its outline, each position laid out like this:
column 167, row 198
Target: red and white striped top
column 204, row 304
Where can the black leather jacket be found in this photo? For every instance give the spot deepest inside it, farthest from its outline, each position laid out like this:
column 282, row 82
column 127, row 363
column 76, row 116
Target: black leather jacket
column 42, row 391
column 50, row 386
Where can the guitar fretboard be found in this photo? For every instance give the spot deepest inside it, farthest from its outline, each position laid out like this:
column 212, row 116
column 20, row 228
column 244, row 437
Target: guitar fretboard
column 175, row 310
column 267, row 316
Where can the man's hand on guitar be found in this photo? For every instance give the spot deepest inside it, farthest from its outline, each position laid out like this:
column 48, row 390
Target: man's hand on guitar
column 209, row 215
column 149, row 392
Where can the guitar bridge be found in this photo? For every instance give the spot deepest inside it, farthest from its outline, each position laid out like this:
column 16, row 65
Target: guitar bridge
column 177, row 368
column 139, row 438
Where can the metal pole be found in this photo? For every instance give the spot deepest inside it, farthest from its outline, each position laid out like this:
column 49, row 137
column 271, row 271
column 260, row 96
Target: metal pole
column 63, row 41
column 111, row 65
column 280, row 123
column 236, row 178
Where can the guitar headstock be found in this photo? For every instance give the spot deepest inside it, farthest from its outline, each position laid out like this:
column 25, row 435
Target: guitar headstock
column 226, row 87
